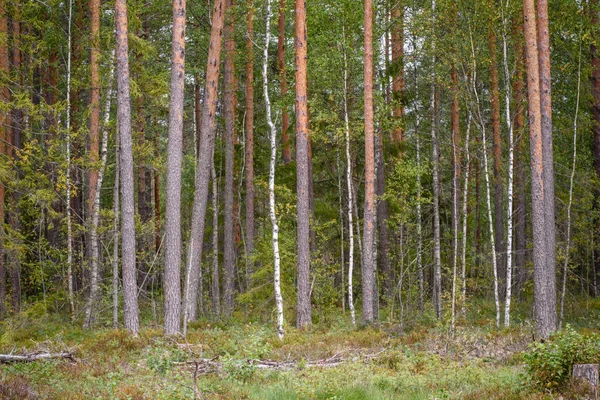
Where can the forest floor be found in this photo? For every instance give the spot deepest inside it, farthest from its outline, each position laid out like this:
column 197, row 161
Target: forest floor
column 248, row 361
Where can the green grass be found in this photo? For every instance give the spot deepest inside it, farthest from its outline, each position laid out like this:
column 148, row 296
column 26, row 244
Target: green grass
column 423, row 362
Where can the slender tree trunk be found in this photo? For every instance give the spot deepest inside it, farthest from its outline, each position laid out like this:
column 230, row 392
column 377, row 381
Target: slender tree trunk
column 93, row 154
column 455, row 187
column 487, row 183
column 126, row 158
column 543, row 312
column 90, row 316
column 569, row 206
column 368, row 265
column 115, row 261
column 4, row 132
column 350, row 191
column 207, row 139
column 215, row 287
column 285, row 119
column 437, row 263
column 548, row 316
column 465, row 214
column 273, row 217
column 497, row 154
column 249, row 146
column 303, row 313
column 511, row 158
column 172, row 283
column 68, row 172
column 157, row 236
column 229, row 82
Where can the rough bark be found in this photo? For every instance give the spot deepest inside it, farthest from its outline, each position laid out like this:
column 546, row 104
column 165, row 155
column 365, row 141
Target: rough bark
column 116, row 217
column 369, row 212
column 172, row 283
column 285, row 118
column 303, row 305
column 130, row 289
column 207, row 138
column 543, row 313
column 229, row 82
column 548, row 323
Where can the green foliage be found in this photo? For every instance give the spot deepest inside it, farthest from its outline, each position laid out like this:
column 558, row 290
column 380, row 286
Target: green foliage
column 549, row 363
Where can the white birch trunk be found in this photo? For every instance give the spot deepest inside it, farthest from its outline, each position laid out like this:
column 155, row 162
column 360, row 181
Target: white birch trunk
column 487, row 182
column 68, row 180
column 350, row 191
column 511, row 161
column 464, row 223
column 273, row 216
column 568, row 244
column 94, row 276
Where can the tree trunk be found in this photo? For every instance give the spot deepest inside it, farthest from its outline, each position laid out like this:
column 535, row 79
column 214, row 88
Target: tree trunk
column 350, row 191
column 172, row 283
column 127, row 183
column 285, row 119
column 455, row 186
column 249, row 147
column 215, row 287
column 68, row 173
column 229, row 82
column 94, row 113
column 207, row 139
column 543, row 313
column 116, row 209
column 548, row 321
column 368, row 265
column 4, row 133
column 303, row 312
column 273, row 217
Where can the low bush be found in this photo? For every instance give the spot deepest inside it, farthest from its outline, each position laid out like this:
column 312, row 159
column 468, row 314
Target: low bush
column 549, row 363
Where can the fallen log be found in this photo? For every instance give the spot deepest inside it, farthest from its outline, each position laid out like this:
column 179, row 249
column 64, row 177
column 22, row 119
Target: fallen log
column 10, row 358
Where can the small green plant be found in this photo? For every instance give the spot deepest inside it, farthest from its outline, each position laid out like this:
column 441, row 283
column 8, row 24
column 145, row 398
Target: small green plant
column 549, row 364
column 238, row 369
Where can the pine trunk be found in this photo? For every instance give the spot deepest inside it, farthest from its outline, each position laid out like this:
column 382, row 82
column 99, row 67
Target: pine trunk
column 303, row 313
column 130, row 290
column 172, row 283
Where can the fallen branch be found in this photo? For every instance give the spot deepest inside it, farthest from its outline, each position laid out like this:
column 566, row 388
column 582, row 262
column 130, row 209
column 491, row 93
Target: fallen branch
column 210, row 365
column 10, row 358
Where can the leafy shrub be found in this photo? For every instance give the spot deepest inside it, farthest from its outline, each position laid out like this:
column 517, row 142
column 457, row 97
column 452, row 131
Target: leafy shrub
column 549, row 364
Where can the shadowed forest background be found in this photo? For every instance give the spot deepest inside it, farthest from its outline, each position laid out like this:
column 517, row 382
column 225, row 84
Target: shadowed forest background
column 278, row 199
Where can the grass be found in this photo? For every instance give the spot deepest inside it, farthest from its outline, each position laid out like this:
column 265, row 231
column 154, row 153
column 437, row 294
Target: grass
column 426, row 362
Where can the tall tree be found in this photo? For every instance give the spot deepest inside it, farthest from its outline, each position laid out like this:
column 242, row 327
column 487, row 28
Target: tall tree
column 303, row 312
column 229, row 81
column 130, row 290
column 4, row 131
column 93, row 154
column 548, row 323
column 543, row 313
column 369, row 218
column 272, row 215
column 207, row 140
column 249, row 146
column 172, row 278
